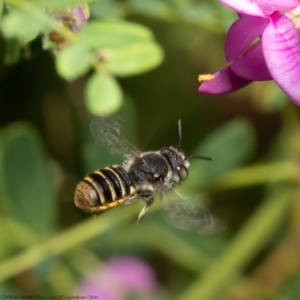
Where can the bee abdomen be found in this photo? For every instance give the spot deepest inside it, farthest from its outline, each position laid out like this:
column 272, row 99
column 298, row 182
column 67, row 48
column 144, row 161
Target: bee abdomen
column 103, row 187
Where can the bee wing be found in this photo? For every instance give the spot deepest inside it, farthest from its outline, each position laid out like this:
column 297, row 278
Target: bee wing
column 188, row 214
column 106, row 130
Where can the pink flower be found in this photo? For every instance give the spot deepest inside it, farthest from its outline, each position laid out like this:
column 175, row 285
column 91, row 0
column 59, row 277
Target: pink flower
column 263, row 44
column 81, row 15
column 120, row 278
column 73, row 18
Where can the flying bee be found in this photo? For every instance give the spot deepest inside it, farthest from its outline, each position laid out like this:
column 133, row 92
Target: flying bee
column 141, row 177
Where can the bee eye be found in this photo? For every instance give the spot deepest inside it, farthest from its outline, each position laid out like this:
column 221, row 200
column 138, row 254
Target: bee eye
column 183, row 172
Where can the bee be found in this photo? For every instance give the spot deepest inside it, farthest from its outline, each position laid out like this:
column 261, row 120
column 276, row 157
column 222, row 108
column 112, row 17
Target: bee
column 141, row 177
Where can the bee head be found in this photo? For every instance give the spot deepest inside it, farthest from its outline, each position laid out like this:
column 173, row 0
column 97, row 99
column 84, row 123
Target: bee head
column 177, row 161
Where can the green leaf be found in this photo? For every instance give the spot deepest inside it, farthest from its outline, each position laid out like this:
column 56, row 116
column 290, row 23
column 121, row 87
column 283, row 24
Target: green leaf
column 24, row 177
column 107, row 9
column 14, row 235
column 128, row 48
column 73, row 61
column 59, row 4
column 228, row 146
column 135, row 59
column 112, row 35
column 24, row 25
column 103, row 94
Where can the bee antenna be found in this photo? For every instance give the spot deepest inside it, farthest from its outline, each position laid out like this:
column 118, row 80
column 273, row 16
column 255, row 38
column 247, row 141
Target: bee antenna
column 199, row 156
column 179, row 135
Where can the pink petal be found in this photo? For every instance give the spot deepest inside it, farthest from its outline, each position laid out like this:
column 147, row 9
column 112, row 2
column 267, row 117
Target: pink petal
column 241, row 33
column 120, row 278
column 134, row 273
column 252, row 65
column 281, row 48
column 224, row 81
column 81, row 14
column 246, row 7
column 270, row 6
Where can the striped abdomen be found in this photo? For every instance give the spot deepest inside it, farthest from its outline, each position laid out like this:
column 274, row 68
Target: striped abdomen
column 104, row 189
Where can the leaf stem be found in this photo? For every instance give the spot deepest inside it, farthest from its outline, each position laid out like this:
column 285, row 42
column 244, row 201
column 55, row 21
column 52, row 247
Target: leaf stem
column 257, row 174
column 240, row 252
column 62, row 242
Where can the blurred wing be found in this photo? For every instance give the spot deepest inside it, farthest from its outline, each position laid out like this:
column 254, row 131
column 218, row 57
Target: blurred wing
column 187, row 214
column 106, row 130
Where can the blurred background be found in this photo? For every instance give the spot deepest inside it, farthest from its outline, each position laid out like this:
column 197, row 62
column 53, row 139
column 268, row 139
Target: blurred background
column 49, row 248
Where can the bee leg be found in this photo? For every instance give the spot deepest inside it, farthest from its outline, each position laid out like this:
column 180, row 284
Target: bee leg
column 149, row 200
column 133, row 199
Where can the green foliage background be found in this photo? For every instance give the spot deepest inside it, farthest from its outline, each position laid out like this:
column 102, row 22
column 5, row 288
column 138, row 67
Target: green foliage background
column 152, row 54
